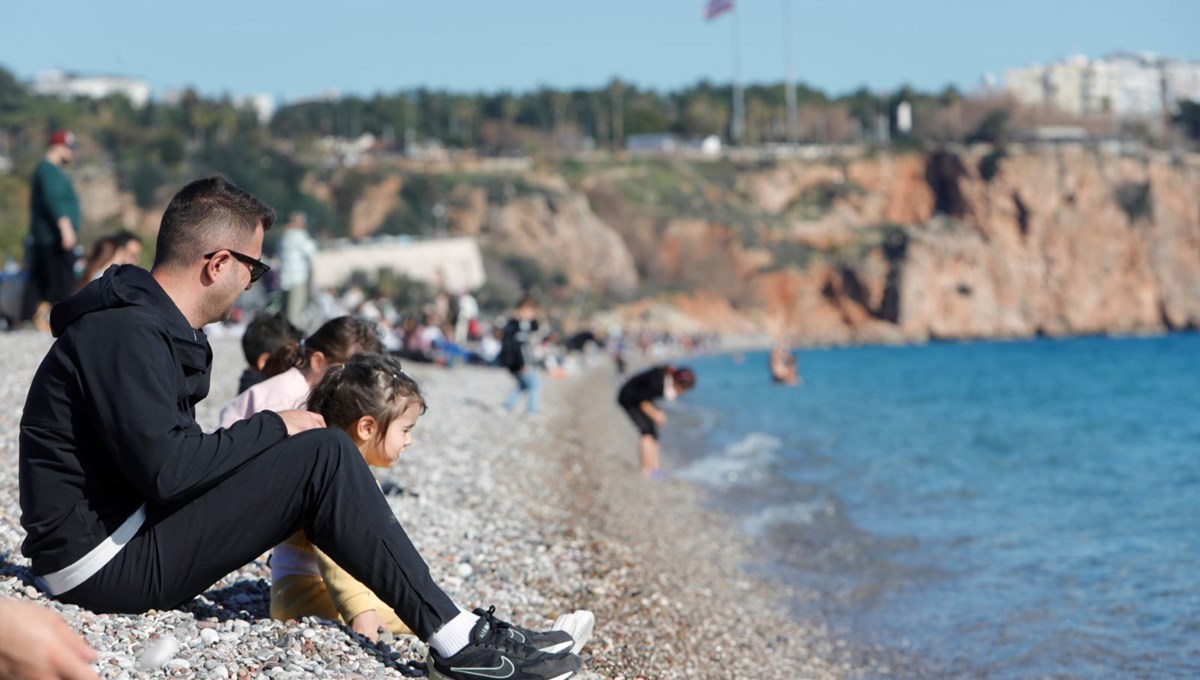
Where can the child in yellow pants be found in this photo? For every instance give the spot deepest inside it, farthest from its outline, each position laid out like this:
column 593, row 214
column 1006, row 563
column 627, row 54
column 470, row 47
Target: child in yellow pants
column 374, row 402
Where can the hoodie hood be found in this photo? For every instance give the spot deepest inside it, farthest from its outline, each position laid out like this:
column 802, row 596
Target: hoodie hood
column 131, row 286
column 120, row 286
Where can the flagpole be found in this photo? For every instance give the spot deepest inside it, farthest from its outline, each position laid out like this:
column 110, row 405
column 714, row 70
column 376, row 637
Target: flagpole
column 790, row 91
column 739, row 104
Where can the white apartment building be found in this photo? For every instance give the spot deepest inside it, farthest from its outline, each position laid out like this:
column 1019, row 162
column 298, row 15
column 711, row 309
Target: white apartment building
column 62, row 84
column 1181, row 80
column 1124, row 84
column 1065, row 84
column 1027, row 85
column 1136, row 85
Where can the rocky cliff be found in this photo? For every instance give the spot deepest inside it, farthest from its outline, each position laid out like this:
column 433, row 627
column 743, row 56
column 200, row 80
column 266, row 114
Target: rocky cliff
column 947, row 245
column 890, row 248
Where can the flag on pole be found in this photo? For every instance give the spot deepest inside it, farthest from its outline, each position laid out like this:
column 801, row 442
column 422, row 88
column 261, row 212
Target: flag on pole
column 715, row 8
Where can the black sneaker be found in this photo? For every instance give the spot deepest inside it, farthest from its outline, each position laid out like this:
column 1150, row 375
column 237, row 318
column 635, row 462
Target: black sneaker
column 551, row 641
column 493, row 653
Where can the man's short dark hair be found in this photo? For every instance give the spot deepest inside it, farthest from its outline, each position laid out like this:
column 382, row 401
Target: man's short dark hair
column 206, row 215
column 265, row 334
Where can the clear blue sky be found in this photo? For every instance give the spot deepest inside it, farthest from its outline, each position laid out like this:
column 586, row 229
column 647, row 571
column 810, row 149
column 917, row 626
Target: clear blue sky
column 297, row 48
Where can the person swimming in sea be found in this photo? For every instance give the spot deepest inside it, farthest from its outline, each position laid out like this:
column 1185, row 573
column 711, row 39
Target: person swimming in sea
column 784, row 369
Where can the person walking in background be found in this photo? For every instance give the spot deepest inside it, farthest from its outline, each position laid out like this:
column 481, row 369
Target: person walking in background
column 296, row 250
column 54, row 219
column 35, row 644
column 466, row 318
column 637, row 397
column 517, row 354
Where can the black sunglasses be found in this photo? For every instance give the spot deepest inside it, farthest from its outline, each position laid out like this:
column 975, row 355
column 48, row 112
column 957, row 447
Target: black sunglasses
column 257, row 267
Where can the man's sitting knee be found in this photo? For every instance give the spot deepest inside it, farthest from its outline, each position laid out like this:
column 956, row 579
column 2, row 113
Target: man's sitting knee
column 326, row 442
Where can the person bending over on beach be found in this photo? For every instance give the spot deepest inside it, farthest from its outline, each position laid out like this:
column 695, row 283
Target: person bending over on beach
column 294, row 368
column 35, row 644
column 265, row 334
column 373, row 401
column 637, row 397
column 128, row 505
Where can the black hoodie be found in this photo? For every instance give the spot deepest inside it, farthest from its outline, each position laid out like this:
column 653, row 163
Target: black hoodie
column 109, row 423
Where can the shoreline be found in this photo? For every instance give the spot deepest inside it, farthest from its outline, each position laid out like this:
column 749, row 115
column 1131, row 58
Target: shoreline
column 536, row 515
column 690, row 606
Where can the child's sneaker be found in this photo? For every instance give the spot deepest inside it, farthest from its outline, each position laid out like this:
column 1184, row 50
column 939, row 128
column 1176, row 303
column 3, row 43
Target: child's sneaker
column 551, row 641
column 579, row 624
column 494, row 653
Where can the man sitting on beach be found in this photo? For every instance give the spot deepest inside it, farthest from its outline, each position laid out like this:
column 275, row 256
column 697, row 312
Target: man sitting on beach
column 130, row 506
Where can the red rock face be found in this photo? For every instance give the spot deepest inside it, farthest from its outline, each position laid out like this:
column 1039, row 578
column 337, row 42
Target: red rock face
column 1058, row 242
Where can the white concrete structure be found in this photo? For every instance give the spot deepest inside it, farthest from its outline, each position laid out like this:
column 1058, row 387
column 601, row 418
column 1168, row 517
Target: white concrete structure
column 653, row 143
column 904, row 118
column 451, row 263
column 59, row 83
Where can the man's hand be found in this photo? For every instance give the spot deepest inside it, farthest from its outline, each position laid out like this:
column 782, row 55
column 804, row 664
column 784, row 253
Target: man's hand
column 298, row 420
column 35, row 644
column 367, row 624
column 67, row 230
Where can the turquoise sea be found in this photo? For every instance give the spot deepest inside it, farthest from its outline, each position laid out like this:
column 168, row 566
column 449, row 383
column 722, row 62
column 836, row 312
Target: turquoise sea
column 993, row 509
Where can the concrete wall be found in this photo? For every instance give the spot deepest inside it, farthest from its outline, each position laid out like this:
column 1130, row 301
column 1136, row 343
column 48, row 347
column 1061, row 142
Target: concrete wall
column 454, row 263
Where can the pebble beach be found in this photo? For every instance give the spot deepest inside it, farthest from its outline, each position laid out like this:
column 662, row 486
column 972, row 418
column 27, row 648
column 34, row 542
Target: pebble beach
column 537, row 515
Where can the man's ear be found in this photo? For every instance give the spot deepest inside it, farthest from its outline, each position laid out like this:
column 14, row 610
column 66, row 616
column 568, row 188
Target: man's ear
column 261, row 361
column 215, row 265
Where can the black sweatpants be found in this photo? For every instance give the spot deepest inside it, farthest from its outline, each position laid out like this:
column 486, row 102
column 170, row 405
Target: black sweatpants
column 316, row 481
column 51, row 277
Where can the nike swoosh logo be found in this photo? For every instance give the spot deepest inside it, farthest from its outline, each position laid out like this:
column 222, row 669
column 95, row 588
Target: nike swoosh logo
column 506, row 669
column 516, row 636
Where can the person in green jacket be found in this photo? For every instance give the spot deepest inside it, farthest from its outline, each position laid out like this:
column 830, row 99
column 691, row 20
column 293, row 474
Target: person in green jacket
column 53, row 230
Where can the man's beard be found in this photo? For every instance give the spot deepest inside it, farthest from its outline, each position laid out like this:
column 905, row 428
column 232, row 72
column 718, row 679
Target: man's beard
column 220, row 310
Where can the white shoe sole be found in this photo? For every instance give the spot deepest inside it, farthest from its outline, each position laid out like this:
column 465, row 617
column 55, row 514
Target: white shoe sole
column 434, row 675
column 579, row 624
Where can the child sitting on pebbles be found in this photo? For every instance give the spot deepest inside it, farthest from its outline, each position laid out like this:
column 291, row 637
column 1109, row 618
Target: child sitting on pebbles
column 293, row 369
column 377, row 405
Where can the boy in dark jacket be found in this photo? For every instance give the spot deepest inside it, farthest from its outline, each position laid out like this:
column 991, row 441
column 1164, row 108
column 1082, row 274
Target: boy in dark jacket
column 516, row 354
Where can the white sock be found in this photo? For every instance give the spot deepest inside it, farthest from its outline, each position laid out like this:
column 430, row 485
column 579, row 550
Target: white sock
column 454, row 635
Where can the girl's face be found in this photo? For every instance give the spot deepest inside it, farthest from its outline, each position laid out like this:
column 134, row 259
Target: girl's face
column 385, row 451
